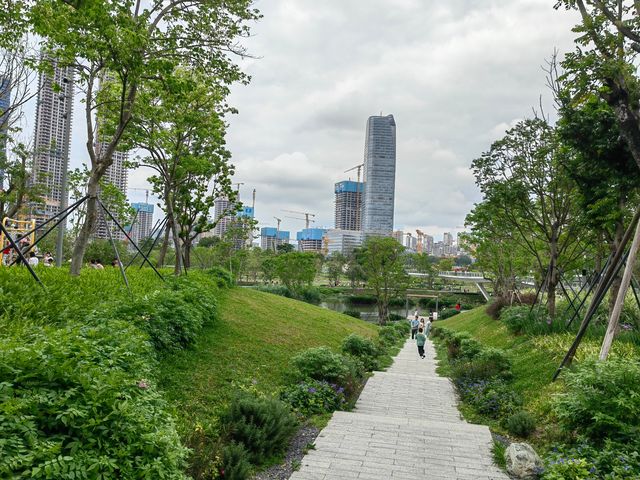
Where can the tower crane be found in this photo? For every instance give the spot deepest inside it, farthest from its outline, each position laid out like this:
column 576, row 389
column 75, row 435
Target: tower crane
column 275, row 243
column 420, row 234
column 306, row 216
column 146, row 190
column 307, row 220
column 358, row 214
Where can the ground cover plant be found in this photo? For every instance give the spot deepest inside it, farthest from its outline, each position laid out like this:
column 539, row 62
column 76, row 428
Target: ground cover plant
column 582, row 425
column 71, row 356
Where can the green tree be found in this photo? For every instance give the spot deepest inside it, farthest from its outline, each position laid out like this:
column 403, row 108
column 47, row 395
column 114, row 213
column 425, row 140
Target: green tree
column 285, row 248
column 115, row 47
column 382, row 262
column 296, row 269
column 522, row 178
column 446, row 264
column 335, row 266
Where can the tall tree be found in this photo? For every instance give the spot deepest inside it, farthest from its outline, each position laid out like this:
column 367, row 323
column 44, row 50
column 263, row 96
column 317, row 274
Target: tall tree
column 382, row 261
column 522, row 176
column 128, row 42
column 179, row 123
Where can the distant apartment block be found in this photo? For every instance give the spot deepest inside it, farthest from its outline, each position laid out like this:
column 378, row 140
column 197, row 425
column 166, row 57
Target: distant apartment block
column 428, row 244
column 348, row 205
column 54, row 111
column 116, row 175
column 143, row 222
column 341, row 241
column 398, row 236
column 271, row 238
column 379, row 175
column 5, row 104
column 222, row 216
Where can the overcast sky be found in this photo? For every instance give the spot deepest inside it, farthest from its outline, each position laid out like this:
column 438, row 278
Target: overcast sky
column 455, row 74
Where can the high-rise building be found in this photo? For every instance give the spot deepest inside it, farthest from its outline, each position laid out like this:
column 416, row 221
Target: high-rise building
column 398, row 236
column 348, row 205
column 310, row 239
column 342, row 241
column 447, row 239
column 5, row 104
column 116, row 175
column 222, row 208
column 271, row 237
column 428, row 244
column 52, row 136
column 143, row 223
column 379, row 175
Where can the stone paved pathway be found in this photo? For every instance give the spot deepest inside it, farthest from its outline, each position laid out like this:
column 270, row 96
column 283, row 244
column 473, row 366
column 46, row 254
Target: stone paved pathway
column 405, row 426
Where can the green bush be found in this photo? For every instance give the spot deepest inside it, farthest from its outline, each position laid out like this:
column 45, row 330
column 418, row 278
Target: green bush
column 362, row 348
column 448, row 313
column 81, row 398
column 469, row 348
column 353, row 313
column 262, row 425
column 313, row 397
column 310, row 295
column 493, row 398
column 521, row 424
column 602, row 400
column 222, row 277
column 453, row 341
column 235, row 462
column 610, row 460
column 394, row 317
column 490, row 363
column 402, row 326
column 361, row 299
column 516, row 319
column 321, row 363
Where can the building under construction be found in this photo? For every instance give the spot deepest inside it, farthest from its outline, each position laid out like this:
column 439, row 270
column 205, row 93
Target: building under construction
column 348, row 205
column 310, row 239
column 271, row 237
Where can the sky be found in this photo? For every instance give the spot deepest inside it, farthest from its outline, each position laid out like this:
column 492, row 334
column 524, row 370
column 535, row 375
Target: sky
column 455, row 75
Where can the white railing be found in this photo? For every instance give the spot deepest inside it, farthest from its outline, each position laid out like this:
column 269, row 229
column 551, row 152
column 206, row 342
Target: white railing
column 461, row 274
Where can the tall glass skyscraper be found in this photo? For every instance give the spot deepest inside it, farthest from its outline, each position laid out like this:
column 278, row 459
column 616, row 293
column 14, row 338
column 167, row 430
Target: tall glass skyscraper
column 5, row 104
column 379, row 175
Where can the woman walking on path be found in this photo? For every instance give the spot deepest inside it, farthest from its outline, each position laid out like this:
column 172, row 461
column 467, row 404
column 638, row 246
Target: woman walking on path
column 421, row 339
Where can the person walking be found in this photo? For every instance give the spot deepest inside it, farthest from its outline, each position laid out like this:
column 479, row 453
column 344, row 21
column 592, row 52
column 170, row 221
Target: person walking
column 421, row 339
column 415, row 323
column 427, row 328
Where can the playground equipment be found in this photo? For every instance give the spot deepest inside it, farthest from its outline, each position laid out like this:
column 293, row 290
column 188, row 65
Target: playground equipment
column 25, row 230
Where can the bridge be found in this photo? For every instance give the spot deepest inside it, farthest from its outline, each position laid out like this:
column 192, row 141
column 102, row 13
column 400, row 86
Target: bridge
column 472, row 277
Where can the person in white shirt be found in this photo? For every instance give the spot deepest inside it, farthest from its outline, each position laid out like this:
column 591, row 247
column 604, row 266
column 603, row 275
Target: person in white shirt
column 33, row 260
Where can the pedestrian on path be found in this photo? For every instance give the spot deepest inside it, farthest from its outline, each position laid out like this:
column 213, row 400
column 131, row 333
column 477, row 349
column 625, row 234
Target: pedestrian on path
column 427, row 328
column 415, row 323
column 421, row 339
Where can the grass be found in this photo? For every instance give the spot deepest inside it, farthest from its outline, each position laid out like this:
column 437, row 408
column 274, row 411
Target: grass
column 248, row 347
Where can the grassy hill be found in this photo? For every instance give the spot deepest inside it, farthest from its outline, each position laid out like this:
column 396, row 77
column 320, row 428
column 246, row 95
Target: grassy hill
column 249, row 346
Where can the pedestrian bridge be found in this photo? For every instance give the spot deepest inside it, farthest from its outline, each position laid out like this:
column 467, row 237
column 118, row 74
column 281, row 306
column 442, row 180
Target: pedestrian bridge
column 473, row 277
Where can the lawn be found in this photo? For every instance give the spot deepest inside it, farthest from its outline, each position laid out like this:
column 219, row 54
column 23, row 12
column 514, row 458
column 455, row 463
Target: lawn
column 249, row 346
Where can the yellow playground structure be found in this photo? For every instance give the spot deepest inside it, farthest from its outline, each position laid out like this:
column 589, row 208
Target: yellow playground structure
column 21, row 231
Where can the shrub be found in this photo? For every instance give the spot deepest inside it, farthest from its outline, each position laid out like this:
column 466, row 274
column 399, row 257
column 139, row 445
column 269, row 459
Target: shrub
column 235, row 462
column 493, row 398
column 521, row 424
column 321, row 364
column 313, row 397
column 602, row 400
column 310, row 295
column 222, row 277
column 516, row 319
column 402, row 326
column 469, row 348
column 448, row 313
column 352, row 313
column 490, row 363
column 453, row 341
column 362, row 348
column 361, row 299
column 390, row 335
column 262, row 425
column 80, row 398
column 495, row 308
column 394, row 317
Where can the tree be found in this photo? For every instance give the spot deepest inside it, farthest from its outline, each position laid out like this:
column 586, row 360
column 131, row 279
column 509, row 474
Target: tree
column 425, row 264
column 285, row 248
column 121, row 45
column 446, row 264
column 179, row 123
column 335, row 267
column 296, row 269
column 604, row 62
column 354, row 272
column 382, row 261
column 522, row 178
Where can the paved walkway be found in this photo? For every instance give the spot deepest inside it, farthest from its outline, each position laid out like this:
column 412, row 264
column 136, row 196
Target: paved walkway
column 405, row 426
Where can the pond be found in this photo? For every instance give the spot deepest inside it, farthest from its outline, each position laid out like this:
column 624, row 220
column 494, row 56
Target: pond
column 368, row 312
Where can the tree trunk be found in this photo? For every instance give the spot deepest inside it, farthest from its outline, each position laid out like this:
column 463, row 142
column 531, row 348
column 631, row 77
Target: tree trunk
column 622, row 292
column 615, row 286
column 627, row 119
column 89, row 225
column 552, row 281
column 165, row 245
column 186, row 248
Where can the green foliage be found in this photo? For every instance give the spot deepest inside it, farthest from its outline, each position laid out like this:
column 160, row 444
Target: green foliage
column 262, row 425
column 361, row 299
column 81, row 398
column 296, row 269
column 611, row 461
column 352, row 313
column 602, row 400
column 222, row 277
column 521, row 424
column 362, row 348
column 313, row 397
column 487, row 364
column 235, row 462
column 493, row 398
column 321, row 364
column 448, row 313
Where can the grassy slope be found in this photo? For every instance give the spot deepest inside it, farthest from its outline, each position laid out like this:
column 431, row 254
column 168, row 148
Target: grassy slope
column 251, row 343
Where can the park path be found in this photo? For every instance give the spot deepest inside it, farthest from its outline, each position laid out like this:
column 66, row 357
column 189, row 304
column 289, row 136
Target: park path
column 405, row 426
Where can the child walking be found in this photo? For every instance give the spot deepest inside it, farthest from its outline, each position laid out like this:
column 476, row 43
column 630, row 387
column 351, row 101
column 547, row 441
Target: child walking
column 421, row 338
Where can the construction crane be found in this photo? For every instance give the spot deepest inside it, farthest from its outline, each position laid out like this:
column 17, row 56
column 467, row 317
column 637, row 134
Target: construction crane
column 307, row 220
column 420, row 246
column 306, row 216
column 275, row 243
column 358, row 215
column 146, row 190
